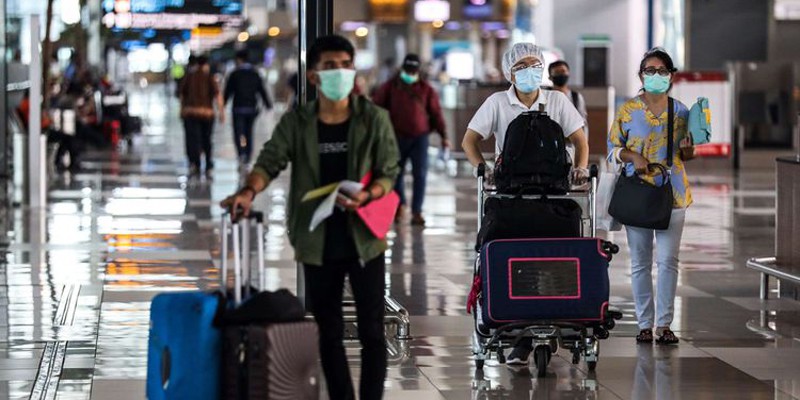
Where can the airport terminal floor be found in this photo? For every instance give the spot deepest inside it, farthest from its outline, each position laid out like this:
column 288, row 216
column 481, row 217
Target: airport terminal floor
column 78, row 281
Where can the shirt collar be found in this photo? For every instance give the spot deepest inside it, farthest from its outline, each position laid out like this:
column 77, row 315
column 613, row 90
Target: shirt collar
column 514, row 101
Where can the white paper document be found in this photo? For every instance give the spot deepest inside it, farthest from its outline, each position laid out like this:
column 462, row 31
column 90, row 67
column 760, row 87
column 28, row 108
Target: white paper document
column 325, row 208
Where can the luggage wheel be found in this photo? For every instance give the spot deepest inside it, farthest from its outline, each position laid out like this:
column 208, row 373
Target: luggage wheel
column 541, row 356
column 576, row 356
column 501, row 357
column 601, row 332
column 591, row 353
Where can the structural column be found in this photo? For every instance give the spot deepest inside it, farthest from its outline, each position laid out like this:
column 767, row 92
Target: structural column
column 315, row 19
column 36, row 142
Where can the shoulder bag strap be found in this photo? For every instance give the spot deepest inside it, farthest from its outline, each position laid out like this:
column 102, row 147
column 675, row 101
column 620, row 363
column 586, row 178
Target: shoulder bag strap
column 670, row 122
column 574, row 98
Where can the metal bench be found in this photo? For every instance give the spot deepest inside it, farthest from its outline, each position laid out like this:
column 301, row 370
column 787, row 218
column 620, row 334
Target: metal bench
column 767, row 266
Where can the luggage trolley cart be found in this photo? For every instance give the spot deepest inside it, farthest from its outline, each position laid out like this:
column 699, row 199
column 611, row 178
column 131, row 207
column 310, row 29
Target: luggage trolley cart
column 579, row 336
column 395, row 313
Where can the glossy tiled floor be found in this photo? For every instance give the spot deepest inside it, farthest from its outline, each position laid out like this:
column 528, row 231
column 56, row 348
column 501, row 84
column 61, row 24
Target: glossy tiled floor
column 77, row 281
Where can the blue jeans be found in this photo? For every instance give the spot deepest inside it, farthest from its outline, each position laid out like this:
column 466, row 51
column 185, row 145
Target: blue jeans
column 243, row 134
column 415, row 149
column 667, row 246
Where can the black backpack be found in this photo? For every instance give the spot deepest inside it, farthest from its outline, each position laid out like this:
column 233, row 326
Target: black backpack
column 534, row 158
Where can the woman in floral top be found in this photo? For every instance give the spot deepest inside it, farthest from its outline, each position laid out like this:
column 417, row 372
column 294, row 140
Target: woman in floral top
column 638, row 138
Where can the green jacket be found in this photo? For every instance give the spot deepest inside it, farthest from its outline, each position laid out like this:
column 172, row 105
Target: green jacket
column 372, row 147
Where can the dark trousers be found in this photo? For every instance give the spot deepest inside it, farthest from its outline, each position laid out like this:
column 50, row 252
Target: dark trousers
column 243, row 134
column 198, row 141
column 67, row 144
column 325, row 285
column 415, row 149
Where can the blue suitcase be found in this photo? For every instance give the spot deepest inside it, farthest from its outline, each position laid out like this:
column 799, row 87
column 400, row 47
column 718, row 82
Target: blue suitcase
column 184, row 349
column 543, row 280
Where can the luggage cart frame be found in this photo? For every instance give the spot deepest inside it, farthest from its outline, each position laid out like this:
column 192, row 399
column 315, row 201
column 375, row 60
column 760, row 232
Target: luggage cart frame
column 395, row 313
column 547, row 336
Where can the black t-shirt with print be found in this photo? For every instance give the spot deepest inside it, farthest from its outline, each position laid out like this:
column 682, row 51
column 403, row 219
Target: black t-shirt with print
column 339, row 244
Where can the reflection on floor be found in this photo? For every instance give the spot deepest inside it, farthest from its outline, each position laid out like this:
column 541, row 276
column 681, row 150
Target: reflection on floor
column 77, row 281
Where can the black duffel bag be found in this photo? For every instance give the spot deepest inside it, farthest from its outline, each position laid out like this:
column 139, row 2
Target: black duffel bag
column 264, row 307
column 518, row 218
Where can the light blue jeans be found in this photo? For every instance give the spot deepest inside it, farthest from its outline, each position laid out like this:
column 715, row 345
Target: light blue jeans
column 667, row 245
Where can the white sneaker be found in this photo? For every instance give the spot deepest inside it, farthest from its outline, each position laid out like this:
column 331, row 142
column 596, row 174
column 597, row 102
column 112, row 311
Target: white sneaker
column 518, row 356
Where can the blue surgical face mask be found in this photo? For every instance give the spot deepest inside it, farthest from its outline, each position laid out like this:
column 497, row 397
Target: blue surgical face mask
column 336, row 84
column 528, row 80
column 408, row 78
column 656, row 84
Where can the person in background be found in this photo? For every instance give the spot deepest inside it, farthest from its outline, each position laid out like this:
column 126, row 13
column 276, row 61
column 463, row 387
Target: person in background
column 340, row 136
column 245, row 86
column 637, row 138
column 191, row 66
column 415, row 111
column 559, row 74
column 198, row 93
column 523, row 67
column 71, row 124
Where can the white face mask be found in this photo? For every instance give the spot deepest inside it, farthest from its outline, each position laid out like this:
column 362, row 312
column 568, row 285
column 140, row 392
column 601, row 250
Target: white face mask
column 336, row 84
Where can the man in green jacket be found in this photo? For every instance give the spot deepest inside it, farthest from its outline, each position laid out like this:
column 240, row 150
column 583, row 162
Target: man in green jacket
column 339, row 137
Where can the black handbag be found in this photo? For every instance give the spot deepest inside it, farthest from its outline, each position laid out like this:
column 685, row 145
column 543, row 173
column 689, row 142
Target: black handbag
column 636, row 202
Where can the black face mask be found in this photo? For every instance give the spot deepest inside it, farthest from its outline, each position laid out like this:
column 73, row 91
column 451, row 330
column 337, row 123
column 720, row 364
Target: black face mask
column 559, row 80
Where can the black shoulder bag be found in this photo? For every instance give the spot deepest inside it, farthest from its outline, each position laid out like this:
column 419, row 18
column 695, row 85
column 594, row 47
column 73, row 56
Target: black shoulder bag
column 636, row 202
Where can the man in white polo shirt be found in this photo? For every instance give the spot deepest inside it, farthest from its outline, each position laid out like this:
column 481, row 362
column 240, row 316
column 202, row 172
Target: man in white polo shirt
column 523, row 67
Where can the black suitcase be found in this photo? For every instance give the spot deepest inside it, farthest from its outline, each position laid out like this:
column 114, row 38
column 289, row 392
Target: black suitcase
column 269, row 350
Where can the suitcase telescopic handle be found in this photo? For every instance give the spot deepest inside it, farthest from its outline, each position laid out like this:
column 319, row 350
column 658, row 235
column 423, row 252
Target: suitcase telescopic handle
column 258, row 216
column 240, row 243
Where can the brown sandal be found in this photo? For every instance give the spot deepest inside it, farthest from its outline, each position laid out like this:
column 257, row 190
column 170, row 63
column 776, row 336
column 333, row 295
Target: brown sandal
column 645, row 336
column 667, row 337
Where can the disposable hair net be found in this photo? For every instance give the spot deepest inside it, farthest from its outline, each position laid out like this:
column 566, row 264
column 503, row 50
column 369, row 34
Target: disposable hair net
column 518, row 52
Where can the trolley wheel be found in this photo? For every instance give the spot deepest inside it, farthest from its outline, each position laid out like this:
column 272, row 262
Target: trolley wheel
column 479, row 364
column 601, row 333
column 592, row 365
column 610, row 324
column 541, row 356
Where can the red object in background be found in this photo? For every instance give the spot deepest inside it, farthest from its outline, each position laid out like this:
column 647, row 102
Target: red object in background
column 113, row 131
column 713, row 150
column 700, row 76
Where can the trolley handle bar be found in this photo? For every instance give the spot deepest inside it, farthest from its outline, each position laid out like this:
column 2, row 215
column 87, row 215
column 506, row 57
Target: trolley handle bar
column 593, row 171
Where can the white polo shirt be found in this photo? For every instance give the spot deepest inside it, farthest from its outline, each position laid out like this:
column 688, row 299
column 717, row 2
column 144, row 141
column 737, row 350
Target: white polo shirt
column 497, row 112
